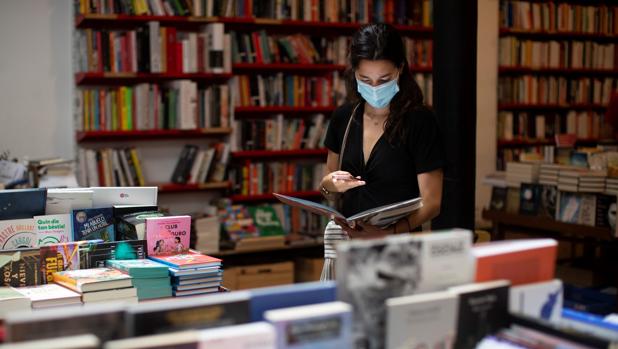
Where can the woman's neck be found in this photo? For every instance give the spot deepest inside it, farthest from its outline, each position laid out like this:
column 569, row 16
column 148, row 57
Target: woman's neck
column 376, row 113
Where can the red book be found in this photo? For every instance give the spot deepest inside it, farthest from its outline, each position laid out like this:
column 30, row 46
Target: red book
column 522, row 261
column 102, row 110
column 258, row 48
column 178, row 58
column 126, row 48
column 99, row 53
column 171, row 49
column 190, row 260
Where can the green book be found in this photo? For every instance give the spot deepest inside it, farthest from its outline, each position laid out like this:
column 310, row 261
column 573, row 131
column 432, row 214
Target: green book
column 149, row 293
column 151, row 282
column 139, row 268
column 266, row 220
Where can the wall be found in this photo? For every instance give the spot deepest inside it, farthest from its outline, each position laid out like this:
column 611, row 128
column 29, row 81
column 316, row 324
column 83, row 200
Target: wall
column 486, row 99
column 35, row 78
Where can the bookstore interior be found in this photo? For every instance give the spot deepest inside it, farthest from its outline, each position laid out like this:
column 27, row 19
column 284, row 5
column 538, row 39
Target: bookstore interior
column 190, row 174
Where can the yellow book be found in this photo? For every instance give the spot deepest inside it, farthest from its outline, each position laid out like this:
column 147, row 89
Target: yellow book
column 123, row 108
column 114, row 111
column 138, row 167
column 86, row 113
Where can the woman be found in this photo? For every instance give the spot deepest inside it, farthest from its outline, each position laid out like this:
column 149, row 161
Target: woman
column 393, row 150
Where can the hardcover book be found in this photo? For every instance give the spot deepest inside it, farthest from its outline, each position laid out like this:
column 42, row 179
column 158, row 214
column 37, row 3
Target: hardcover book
column 20, row 268
column 422, row 321
column 371, row 271
column 483, row 309
column 95, row 254
column 18, row 234
column 49, row 295
column 58, row 258
column 529, row 200
column 22, row 203
column 168, row 235
column 382, row 216
column 93, row 223
column 133, row 226
column 266, row 220
column 53, row 229
column 89, row 280
column 324, row 325
column 140, row 268
column 189, row 260
column 606, row 212
column 498, row 198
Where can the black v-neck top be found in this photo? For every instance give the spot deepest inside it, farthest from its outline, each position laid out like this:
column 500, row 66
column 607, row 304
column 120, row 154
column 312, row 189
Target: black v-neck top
column 391, row 169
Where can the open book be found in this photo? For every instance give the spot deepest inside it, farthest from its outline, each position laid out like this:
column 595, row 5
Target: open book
column 382, row 216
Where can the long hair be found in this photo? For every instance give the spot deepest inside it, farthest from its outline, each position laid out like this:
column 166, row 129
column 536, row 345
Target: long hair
column 382, row 42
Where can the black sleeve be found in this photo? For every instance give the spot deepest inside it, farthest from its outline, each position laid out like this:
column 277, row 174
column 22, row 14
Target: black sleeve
column 336, row 128
column 425, row 142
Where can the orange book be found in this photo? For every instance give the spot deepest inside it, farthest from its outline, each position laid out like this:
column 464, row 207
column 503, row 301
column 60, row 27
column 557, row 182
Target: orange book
column 520, row 261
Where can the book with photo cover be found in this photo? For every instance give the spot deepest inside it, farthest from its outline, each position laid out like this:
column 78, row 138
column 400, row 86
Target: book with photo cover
column 529, row 199
column 382, row 216
column 20, row 268
column 95, row 254
column 188, row 260
column 498, row 198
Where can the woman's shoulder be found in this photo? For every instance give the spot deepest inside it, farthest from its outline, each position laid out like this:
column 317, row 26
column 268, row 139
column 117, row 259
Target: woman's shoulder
column 343, row 112
column 421, row 114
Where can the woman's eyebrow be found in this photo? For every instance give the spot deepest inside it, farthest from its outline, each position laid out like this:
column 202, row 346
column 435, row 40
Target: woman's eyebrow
column 381, row 77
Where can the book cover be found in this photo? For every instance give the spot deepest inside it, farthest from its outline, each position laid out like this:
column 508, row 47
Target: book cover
column 542, row 300
column 324, row 325
column 548, row 201
column 498, row 198
column 95, row 254
column 237, row 222
column 512, row 200
column 259, row 335
column 421, row 321
column 133, row 226
column 529, row 199
column 53, row 229
column 168, row 235
column 266, row 220
column 49, row 295
column 482, row 310
column 371, row 271
column 140, row 268
column 86, row 280
column 521, row 261
column 217, row 310
column 570, row 207
column 17, row 234
column 11, row 300
column 65, row 200
column 22, row 203
column 587, row 212
column 58, row 258
column 93, row 223
column 20, row 268
column 277, row 297
column 189, row 339
column 190, row 259
column 606, row 211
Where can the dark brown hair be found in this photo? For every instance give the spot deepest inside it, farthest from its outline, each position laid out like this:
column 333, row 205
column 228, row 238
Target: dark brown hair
column 381, row 41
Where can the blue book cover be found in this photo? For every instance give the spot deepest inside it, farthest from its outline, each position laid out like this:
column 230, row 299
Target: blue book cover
column 22, row 203
column 269, row 298
column 93, row 223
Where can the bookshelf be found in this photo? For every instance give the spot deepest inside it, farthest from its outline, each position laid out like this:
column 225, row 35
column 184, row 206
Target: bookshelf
column 557, row 68
column 269, row 197
column 149, row 135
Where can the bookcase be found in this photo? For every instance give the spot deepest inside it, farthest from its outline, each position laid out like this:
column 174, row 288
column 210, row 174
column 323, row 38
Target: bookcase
column 557, row 70
column 250, row 61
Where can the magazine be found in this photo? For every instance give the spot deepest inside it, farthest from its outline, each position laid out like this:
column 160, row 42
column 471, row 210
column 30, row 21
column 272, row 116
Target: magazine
column 381, row 216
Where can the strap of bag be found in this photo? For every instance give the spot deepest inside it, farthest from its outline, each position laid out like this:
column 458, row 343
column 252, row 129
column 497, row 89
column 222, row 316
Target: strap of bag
column 345, row 137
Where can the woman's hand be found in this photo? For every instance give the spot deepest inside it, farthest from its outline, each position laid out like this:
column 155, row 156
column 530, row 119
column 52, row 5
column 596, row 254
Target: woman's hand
column 362, row 230
column 341, row 181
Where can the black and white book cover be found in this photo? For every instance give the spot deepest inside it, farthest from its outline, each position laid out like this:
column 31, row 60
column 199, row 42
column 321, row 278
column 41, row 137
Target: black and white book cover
column 371, row 271
column 498, row 198
column 548, row 200
column 606, row 211
column 529, row 199
column 483, row 310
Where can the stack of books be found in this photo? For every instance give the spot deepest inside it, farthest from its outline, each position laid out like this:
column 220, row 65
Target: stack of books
column 98, row 284
column 11, row 300
column 581, row 181
column 207, row 232
column 548, row 174
column 611, row 185
column 522, row 172
column 192, row 272
column 50, row 295
column 150, row 279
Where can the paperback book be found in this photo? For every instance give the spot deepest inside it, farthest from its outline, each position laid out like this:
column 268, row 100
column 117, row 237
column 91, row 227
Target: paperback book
column 168, row 235
column 140, row 268
column 189, row 260
column 58, row 257
column 95, row 254
column 53, row 229
column 11, row 300
column 382, row 216
column 18, row 234
column 133, row 226
column 20, row 268
column 266, row 220
column 89, row 280
column 50, row 295
column 93, row 223
column 22, row 203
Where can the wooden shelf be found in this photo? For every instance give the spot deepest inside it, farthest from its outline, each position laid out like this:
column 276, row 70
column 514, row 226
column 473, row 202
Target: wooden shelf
column 296, row 68
column 235, row 23
column 133, row 78
column 556, row 71
column 266, row 154
column 517, row 106
column 308, row 245
column 183, row 188
column 239, row 111
column 540, row 142
column 113, row 136
column 270, row 197
column 543, row 35
column 545, row 224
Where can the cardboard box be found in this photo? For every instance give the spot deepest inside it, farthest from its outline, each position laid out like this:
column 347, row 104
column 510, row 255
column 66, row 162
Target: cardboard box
column 308, row 269
column 261, row 275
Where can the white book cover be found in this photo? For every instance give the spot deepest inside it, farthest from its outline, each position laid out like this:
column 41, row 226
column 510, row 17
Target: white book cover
column 53, row 229
column 49, row 295
column 324, row 326
column 216, row 42
column 206, row 165
column 542, row 300
column 110, row 196
column 11, row 300
column 155, row 47
column 421, row 321
column 257, row 335
column 17, row 234
column 197, row 165
column 62, row 201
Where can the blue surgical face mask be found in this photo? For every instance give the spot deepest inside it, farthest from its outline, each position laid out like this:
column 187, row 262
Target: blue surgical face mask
column 379, row 96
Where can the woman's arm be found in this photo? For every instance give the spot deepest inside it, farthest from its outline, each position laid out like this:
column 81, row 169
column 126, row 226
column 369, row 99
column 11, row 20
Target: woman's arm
column 333, row 186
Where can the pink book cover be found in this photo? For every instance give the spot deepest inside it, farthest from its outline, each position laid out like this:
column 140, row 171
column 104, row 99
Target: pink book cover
column 168, row 235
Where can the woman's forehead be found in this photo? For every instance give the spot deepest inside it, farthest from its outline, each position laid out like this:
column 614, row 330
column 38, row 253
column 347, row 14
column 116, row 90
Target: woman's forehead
column 376, row 68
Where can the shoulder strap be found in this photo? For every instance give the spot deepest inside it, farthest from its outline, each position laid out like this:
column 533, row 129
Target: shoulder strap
column 345, row 136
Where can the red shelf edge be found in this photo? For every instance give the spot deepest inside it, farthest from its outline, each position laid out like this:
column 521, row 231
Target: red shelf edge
column 83, row 136
column 264, row 197
column 278, row 153
column 513, row 106
column 519, row 69
column 287, row 66
column 83, row 78
column 176, row 188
